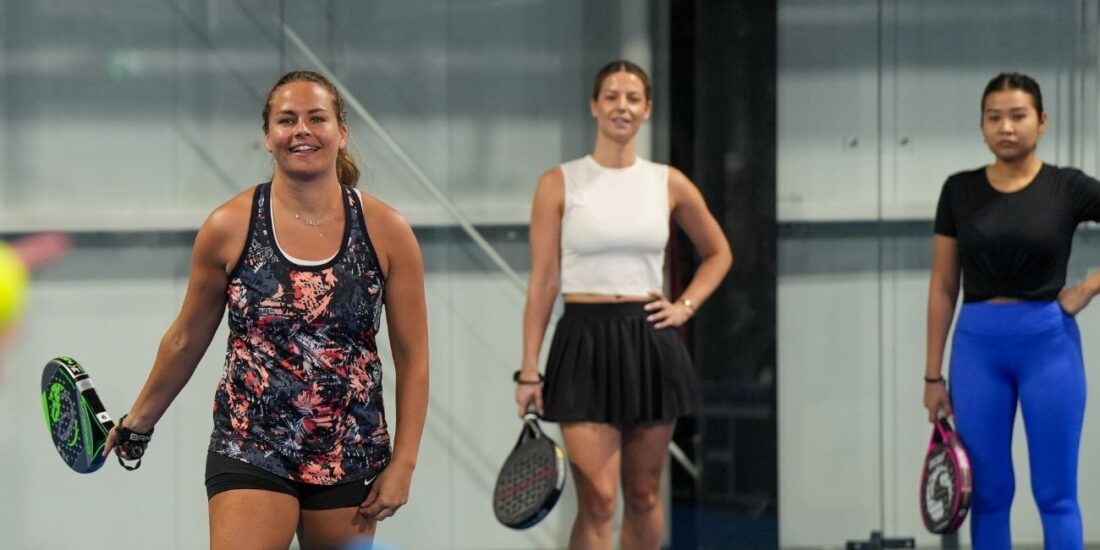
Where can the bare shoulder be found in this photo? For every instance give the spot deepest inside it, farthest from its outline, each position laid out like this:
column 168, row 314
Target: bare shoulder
column 551, row 188
column 222, row 236
column 552, row 176
column 680, row 188
column 385, row 224
column 552, row 180
column 232, row 213
column 678, row 181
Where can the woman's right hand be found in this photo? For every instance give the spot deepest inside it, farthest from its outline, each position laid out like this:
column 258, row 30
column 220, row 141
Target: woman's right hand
column 112, row 442
column 937, row 400
column 529, row 397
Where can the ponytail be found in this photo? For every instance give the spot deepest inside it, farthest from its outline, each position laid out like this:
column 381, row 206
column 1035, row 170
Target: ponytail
column 346, row 170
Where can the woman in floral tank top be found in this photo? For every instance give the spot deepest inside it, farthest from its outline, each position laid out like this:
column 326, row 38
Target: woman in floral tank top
column 304, row 264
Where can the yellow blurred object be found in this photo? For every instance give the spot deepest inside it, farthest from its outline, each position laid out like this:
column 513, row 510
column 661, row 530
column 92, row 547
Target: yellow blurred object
column 13, row 285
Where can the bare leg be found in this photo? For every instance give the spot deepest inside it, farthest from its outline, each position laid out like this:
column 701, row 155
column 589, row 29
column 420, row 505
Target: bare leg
column 645, row 451
column 594, row 456
column 252, row 519
column 333, row 529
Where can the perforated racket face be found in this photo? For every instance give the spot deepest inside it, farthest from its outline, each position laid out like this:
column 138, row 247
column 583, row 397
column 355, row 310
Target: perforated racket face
column 945, row 485
column 529, row 483
column 74, row 421
column 60, row 398
column 939, row 490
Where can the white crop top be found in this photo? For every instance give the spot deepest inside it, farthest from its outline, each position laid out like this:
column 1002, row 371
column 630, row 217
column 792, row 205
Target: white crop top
column 614, row 228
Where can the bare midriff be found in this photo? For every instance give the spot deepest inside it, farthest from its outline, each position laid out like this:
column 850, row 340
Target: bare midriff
column 1002, row 300
column 579, row 298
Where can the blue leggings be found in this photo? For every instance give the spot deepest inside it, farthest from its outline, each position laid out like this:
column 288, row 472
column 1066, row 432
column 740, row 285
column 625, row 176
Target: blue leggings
column 1028, row 352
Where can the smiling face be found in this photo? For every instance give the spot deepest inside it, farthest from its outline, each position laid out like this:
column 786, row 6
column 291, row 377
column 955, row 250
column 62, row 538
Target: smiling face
column 1012, row 124
column 621, row 106
column 303, row 131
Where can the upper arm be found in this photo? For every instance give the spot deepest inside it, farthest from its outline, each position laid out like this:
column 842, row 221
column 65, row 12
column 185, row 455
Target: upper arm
column 1086, row 197
column 690, row 211
column 944, row 223
column 218, row 244
column 403, row 267
column 547, row 209
column 945, row 264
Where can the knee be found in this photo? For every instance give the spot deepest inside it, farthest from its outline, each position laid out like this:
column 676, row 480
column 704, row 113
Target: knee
column 597, row 506
column 641, row 500
column 994, row 498
column 1053, row 500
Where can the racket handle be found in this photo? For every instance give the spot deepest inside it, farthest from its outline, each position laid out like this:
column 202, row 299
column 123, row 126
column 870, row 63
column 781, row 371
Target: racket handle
column 531, row 426
column 950, row 541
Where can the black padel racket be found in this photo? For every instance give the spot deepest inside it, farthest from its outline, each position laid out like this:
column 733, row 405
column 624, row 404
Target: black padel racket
column 945, row 482
column 531, row 480
column 75, row 416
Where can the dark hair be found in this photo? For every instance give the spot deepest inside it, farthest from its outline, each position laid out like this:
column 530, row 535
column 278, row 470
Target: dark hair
column 620, row 65
column 346, row 170
column 1015, row 81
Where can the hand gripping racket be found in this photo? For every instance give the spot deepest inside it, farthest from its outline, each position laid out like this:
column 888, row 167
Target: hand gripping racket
column 76, row 418
column 945, row 483
column 531, row 480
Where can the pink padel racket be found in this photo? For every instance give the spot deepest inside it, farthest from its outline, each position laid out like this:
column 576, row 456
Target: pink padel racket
column 945, row 481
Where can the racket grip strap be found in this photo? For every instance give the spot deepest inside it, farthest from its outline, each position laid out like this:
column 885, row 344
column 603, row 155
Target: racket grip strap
column 133, row 443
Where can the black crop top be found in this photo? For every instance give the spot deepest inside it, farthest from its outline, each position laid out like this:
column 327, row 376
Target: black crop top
column 1016, row 245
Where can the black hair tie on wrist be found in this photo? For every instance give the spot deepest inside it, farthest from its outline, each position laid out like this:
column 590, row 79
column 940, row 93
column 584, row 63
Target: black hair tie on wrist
column 937, row 380
column 518, row 380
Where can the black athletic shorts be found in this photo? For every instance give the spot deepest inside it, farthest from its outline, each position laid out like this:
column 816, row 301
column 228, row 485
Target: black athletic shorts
column 226, row 474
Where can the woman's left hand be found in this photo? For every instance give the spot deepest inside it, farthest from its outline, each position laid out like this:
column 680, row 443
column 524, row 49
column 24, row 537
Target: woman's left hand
column 389, row 492
column 666, row 314
column 1074, row 299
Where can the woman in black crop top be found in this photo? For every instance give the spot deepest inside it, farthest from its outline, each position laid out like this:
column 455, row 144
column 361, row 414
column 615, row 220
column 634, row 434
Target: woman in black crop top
column 305, row 264
column 1006, row 230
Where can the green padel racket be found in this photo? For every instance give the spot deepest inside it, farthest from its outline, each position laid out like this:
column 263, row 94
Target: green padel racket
column 77, row 420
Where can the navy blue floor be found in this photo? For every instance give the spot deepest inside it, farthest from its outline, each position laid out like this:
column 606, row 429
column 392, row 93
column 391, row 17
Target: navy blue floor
column 721, row 528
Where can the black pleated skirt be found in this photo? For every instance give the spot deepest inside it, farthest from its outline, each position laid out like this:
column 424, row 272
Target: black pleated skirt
column 609, row 364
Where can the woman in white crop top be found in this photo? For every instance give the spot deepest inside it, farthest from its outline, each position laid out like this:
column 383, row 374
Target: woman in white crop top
column 618, row 376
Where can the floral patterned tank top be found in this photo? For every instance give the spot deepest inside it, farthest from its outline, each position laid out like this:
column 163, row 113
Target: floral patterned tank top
column 301, row 395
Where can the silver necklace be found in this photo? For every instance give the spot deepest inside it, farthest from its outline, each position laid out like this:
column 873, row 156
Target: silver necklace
column 311, row 222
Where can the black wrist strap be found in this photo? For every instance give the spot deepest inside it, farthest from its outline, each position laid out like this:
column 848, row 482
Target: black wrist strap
column 518, row 380
column 937, row 380
column 133, row 444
